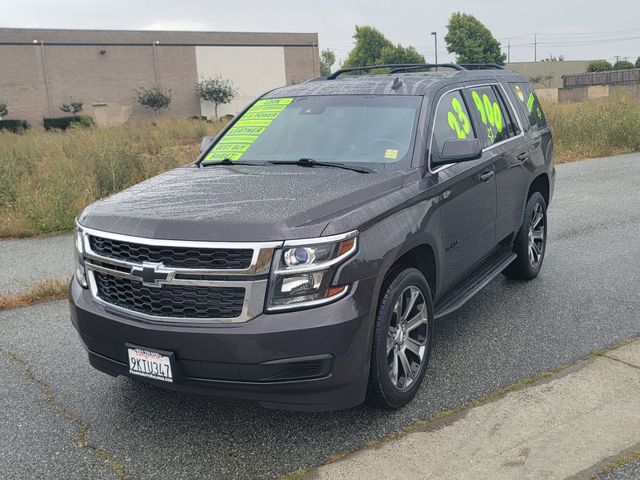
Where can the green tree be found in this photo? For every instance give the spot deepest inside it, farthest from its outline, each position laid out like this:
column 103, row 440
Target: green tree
column 327, row 59
column 155, row 98
column 216, row 90
column 599, row 66
column 623, row 65
column 373, row 48
column 368, row 47
column 471, row 41
column 399, row 54
column 638, row 62
column 3, row 110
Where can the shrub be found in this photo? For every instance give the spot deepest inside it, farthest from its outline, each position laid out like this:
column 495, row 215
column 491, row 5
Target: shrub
column 62, row 123
column 156, row 98
column 14, row 126
column 74, row 108
column 216, row 90
column 623, row 65
column 599, row 66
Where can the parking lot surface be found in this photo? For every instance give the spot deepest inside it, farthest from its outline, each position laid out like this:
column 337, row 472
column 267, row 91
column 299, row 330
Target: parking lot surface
column 61, row 419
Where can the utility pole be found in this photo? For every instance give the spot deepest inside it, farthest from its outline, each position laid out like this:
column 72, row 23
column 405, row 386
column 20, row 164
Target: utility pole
column 535, row 47
column 435, row 39
column 508, row 50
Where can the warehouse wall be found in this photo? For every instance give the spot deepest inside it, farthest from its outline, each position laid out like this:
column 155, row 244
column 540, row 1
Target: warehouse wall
column 104, row 68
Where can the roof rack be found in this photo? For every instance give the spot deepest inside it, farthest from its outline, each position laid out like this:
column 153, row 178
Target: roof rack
column 396, row 68
column 481, row 66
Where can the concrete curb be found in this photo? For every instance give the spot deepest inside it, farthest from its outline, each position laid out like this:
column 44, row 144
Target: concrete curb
column 571, row 422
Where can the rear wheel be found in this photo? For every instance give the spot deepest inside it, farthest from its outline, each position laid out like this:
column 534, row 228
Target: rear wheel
column 531, row 241
column 401, row 339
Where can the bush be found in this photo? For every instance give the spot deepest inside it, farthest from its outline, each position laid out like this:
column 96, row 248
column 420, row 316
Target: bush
column 599, row 66
column 156, row 98
column 623, row 65
column 62, row 123
column 14, row 126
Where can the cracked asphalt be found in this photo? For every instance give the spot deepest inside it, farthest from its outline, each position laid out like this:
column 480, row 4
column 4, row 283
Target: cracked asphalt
column 586, row 298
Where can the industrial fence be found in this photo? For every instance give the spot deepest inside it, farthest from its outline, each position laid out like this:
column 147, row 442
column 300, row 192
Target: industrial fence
column 618, row 77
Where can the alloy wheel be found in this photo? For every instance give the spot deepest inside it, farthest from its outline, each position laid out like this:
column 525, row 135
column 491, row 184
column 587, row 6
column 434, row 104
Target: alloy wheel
column 536, row 236
column 407, row 337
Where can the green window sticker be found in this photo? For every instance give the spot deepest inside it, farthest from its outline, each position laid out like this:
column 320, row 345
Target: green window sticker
column 490, row 114
column 530, row 101
column 248, row 128
column 459, row 116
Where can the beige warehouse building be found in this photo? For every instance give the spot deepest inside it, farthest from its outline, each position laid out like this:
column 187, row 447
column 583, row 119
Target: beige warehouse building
column 41, row 69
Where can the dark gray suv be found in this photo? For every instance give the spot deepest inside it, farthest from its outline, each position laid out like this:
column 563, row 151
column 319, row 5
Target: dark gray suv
column 301, row 261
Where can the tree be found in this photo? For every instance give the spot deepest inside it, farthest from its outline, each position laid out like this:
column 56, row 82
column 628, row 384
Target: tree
column 368, row 47
column 73, row 108
column 399, row 54
column 471, row 41
column 155, row 98
column 623, row 65
column 599, row 66
column 327, row 59
column 3, row 110
column 216, row 90
column 638, row 63
column 373, row 48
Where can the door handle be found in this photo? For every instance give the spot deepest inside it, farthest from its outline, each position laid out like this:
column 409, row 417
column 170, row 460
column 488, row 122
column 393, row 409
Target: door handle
column 486, row 176
column 523, row 157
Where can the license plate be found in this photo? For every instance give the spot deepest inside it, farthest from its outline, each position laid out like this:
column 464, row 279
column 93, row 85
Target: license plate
column 150, row 364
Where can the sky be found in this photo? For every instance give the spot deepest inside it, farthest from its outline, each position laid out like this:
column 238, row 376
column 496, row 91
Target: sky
column 577, row 30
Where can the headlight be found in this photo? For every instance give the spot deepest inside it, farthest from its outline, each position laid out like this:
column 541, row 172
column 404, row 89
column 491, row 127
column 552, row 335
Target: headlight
column 80, row 272
column 303, row 271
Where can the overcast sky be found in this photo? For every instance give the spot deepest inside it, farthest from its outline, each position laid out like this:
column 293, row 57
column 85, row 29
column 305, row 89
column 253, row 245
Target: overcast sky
column 584, row 29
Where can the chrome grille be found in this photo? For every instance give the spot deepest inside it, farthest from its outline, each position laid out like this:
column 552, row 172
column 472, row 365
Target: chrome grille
column 171, row 300
column 175, row 280
column 172, row 256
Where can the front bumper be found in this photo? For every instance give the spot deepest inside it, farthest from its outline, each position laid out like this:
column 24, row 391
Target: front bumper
column 315, row 359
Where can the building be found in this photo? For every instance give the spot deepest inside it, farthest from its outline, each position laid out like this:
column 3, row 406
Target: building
column 41, row 69
column 549, row 74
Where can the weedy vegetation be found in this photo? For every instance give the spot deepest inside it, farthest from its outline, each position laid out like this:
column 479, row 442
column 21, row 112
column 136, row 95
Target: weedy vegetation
column 47, row 178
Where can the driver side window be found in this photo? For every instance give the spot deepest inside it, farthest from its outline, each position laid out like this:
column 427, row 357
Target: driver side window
column 451, row 122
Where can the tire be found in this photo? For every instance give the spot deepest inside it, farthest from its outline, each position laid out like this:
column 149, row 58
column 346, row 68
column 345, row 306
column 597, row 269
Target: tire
column 531, row 241
column 410, row 344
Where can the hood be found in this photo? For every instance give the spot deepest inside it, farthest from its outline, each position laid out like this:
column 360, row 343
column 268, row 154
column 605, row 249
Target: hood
column 237, row 203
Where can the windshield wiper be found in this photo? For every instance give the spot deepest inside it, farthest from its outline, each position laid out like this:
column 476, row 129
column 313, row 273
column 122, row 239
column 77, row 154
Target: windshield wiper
column 310, row 162
column 228, row 161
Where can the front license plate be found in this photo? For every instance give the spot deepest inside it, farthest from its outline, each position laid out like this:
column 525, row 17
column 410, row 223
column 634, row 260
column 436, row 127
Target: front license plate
column 150, row 364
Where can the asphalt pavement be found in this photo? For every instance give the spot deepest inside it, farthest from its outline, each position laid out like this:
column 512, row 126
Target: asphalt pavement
column 26, row 262
column 586, row 298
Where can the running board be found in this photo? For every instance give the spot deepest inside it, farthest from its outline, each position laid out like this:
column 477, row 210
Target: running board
column 474, row 281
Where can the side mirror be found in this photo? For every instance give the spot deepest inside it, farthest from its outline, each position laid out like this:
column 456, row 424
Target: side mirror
column 456, row 151
column 206, row 141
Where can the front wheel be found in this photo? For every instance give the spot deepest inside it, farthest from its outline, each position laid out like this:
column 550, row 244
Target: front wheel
column 401, row 339
column 531, row 241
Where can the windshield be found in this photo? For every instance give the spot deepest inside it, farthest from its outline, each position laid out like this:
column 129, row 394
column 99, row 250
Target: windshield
column 365, row 129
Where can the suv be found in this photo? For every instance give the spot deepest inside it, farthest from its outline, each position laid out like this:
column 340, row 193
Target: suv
column 302, row 260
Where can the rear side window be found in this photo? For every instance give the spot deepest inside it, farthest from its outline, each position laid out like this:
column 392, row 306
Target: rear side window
column 452, row 121
column 530, row 103
column 495, row 122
